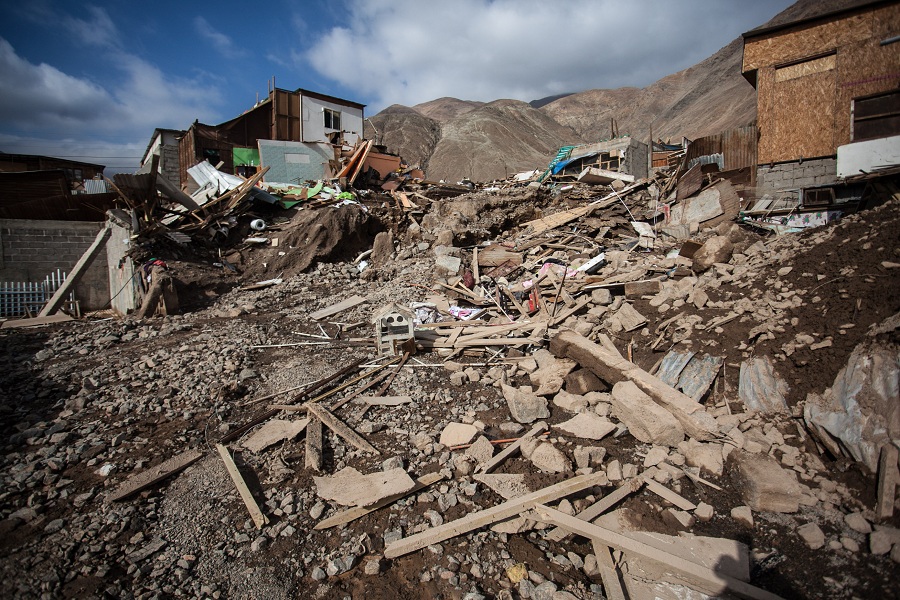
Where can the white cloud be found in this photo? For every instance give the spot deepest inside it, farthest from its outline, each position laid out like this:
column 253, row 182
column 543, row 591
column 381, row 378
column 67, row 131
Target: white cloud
column 41, row 102
column 397, row 52
column 221, row 42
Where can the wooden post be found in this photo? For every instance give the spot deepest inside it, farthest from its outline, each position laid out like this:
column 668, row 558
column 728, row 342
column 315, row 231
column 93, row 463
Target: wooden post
column 77, row 271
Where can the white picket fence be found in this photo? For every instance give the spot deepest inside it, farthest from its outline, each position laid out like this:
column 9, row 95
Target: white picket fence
column 23, row 298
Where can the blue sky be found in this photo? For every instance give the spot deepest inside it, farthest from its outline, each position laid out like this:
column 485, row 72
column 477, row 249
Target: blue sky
column 91, row 81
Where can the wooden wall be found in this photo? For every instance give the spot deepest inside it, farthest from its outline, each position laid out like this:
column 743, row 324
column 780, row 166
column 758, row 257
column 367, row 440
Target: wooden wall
column 807, row 77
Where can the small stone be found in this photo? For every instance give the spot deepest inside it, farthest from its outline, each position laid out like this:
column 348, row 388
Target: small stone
column 857, row 522
column 704, row 512
column 372, row 566
column 849, row 544
column 742, row 514
column 812, row 534
column 318, row 574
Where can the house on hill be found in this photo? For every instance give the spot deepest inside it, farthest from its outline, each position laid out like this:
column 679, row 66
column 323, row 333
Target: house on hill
column 823, row 84
column 294, row 133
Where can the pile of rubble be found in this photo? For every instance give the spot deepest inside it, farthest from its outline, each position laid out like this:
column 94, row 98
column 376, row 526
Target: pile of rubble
column 522, row 391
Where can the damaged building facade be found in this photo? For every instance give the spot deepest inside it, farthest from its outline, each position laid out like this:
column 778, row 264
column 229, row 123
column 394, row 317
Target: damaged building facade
column 822, row 83
column 293, row 132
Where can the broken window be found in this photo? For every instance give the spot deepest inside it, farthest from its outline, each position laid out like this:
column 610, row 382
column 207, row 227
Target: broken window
column 332, row 119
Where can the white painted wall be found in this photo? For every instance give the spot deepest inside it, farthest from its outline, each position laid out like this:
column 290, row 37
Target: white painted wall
column 858, row 157
column 313, row 113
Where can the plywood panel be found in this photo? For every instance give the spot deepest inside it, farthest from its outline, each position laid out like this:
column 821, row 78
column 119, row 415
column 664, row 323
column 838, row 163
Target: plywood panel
column 807, row 67
column 804, row 117
column 810, row 40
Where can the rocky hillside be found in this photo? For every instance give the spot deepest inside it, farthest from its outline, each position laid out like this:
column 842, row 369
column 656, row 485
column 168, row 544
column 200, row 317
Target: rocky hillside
column 497, row 140
column 480, row 142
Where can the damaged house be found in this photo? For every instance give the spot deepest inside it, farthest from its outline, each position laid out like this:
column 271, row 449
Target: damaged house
column 823, row 83
column 295, row 133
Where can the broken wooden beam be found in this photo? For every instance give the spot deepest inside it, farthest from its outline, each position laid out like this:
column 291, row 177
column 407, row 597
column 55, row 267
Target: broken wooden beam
column 612, row 368
column 667, row 494
column 155, row 474
column 255, row 513
column 704, row 577
column 888, row 478
column 485, row 517
column 601, row 506
column 334, row 309
column 75, row 274
column 612, row 585
column 510, row 450
column 356, row 512
column 313, row 459
column 340, row 428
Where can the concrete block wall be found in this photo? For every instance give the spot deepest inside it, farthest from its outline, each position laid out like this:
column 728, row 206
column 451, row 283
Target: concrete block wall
column 793, row 175
column 30, row 250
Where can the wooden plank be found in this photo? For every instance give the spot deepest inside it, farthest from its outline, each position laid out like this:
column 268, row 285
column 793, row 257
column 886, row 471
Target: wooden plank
column 338, row 426
column 356, row 512
column 667, row 494
column 691, row 571
column 153, row 475
column 646, row 287
column 255, row 513
column 485, row 517
column 584, row 301
column 75, row 274
column 334, row 309
column 888, row 477
column 35, row 321
column 612, row 586
column 313, row 459
column 510, row 450
column 384, row 400
column 601, row 506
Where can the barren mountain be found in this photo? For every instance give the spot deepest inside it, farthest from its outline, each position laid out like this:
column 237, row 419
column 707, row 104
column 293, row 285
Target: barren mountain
column 497, row 140
column 405, row 131
column 445, row 109
column 485, row 142
column 707, row 98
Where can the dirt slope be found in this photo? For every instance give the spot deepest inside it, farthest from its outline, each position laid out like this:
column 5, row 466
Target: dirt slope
column 496, row 141
column 406, row 132
column 446, row 109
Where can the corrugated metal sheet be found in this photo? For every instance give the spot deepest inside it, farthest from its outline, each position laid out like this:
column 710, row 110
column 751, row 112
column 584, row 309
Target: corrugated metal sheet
column 96, row 186
column 738, row 148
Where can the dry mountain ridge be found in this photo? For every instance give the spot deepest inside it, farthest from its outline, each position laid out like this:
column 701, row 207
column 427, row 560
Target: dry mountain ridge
column 494, row 140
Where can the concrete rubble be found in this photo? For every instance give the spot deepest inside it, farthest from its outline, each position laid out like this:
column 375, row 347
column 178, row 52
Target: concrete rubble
column 719, row 424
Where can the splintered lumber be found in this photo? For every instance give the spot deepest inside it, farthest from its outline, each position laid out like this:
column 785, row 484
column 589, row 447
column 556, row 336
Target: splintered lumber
column 511, row 449
column 356, row 512
column 888, row 476
column 612, row 586
column 667, row 494
column 75, row 274
column 334, row 309
column 701, row 576
column 154, row 475
column 384, row 400
column 255, row 513
column 488, row 516
column 274, row 432
column 613, row 368
column 601, row 506
column 559, row 219
column 338, row 426
column 35, row 321
column 314, row 445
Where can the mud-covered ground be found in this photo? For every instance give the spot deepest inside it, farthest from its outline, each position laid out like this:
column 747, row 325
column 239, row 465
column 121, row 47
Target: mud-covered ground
column 85, row 405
